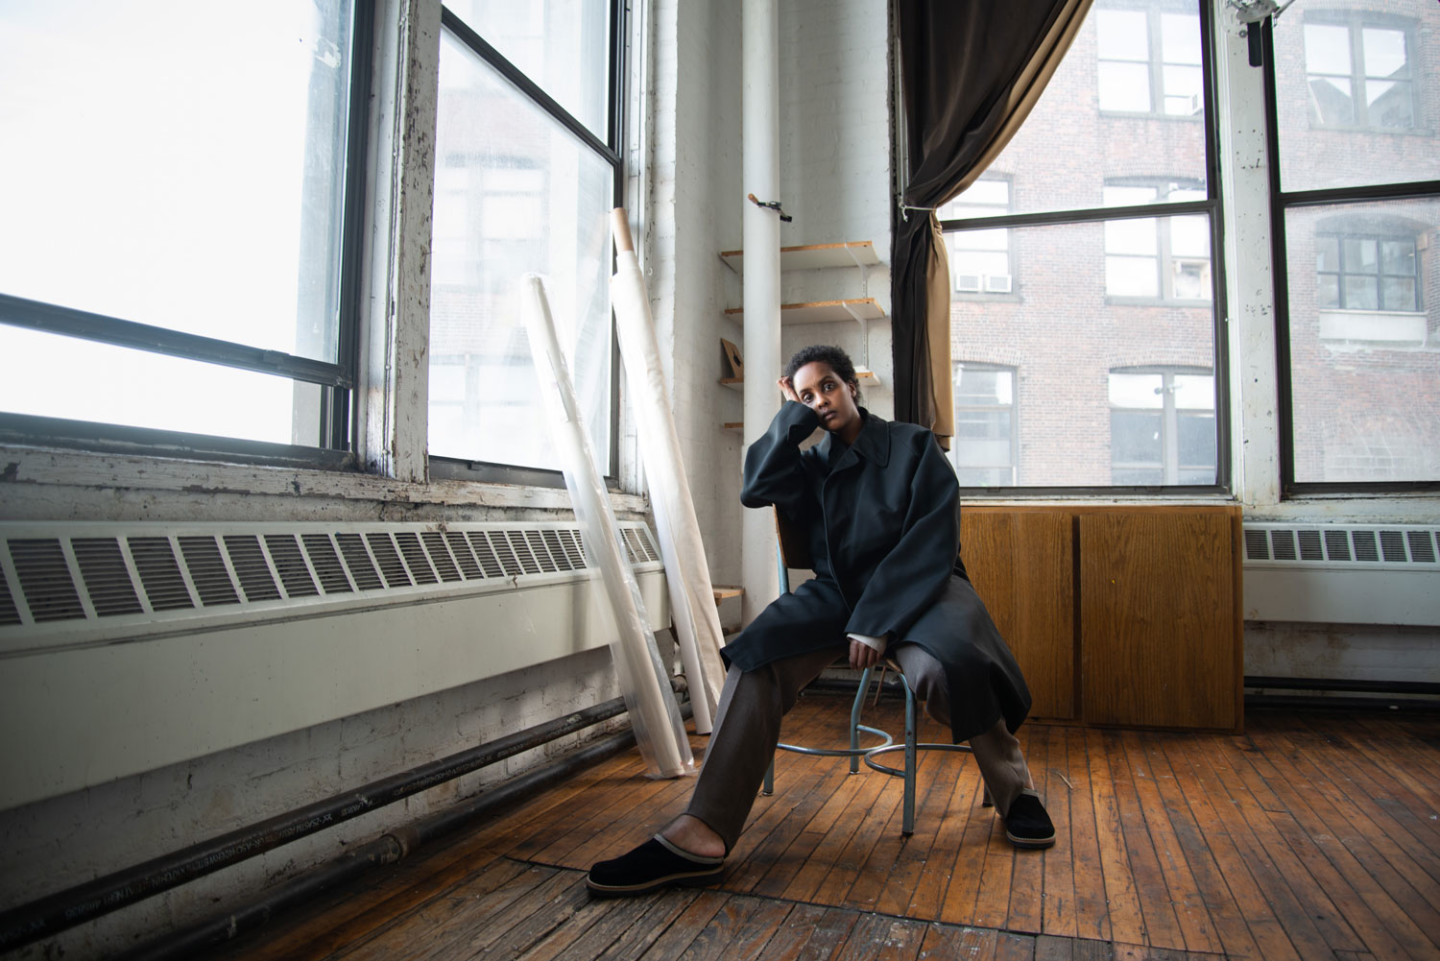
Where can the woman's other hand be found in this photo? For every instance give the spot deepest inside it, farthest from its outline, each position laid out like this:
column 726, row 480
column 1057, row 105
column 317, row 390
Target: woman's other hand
column 862, row 655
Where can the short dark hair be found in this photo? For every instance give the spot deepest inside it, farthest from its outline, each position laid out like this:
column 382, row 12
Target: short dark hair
column 833, row 357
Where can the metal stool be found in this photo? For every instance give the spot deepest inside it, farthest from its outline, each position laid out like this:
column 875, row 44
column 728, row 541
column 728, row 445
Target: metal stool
column 789, row 552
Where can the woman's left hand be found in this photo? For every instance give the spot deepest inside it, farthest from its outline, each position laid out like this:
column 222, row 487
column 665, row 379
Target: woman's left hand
column 863, row 655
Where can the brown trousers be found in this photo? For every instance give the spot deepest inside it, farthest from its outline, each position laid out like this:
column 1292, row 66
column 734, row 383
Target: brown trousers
column 747, row 728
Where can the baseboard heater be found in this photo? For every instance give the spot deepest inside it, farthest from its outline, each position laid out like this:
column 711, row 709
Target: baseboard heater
column 127, row 647
column 1342, row 573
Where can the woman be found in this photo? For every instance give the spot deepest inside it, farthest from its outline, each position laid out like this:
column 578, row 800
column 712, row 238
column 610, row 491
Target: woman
column 881, row 509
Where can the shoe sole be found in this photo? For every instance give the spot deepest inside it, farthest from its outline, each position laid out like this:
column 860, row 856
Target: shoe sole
column 1030, row 844
column 690, row 879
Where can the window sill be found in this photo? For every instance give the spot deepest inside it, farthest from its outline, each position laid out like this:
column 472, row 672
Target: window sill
column 1368, row 328
column 49, row 483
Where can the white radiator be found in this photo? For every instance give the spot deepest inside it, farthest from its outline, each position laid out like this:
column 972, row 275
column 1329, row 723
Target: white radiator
column 1342, row 573
column 126, row 647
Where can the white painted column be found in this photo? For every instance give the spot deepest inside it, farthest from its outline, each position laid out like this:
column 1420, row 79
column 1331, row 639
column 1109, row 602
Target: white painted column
column 760, row 175
column 1245, row 182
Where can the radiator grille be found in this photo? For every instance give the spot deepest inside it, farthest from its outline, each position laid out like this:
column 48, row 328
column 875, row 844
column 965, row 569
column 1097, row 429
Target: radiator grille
column 109, row 572
column 1334, row 544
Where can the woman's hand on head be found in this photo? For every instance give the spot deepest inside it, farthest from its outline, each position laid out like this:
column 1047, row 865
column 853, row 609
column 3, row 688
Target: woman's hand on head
column 788, row 389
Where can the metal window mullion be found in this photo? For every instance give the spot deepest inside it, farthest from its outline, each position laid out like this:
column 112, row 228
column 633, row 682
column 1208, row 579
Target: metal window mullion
column 67, row 321
column 517, row 77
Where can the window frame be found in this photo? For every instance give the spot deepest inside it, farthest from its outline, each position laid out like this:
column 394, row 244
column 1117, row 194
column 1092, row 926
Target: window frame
column 1013, row 407
column 1281, row 202
column 1355, row 22
column 1170, row 415
column 336, row 443
column 611, row 150
column 1155, row 64
column 1212, row 208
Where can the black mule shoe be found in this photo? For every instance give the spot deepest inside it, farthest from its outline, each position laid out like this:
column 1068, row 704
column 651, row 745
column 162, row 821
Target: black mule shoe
column 1027, row 825
column 655, row 864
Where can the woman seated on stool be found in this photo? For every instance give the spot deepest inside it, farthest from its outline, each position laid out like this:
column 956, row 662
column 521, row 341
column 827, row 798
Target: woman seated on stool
column 880, row 507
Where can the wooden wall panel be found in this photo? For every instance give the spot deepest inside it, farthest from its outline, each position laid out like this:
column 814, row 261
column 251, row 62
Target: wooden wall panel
column 1022, row 566
column 1158, row 618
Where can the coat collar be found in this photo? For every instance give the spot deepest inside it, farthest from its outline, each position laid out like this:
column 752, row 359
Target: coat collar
column 872, row 443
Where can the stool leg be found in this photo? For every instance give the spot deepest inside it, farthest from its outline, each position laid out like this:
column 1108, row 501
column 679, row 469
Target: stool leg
column 769, row 786
column 908, row 821
column 855, row 720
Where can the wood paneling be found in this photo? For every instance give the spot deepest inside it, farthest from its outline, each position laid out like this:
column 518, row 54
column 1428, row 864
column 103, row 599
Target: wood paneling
column 1022, row 566
column 1159, row 632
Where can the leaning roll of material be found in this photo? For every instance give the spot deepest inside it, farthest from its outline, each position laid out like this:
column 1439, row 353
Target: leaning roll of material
column 659, row 731
column 687, row 573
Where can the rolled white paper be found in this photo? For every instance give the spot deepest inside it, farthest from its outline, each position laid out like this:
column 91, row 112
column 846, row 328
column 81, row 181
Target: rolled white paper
column 687, row 573
column 659, row 731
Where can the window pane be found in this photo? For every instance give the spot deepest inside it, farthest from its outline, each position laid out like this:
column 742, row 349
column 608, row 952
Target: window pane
column 1384, row 52
column 1348, row 99
column 131, row 388
column 562, row 45
column 1125, row 87
column 534, row 200
column 1135, row 438
column 185, row 164
column 1121, row 104
column 1066, row 338
column 1122, row 34
column 1327, row 49
column 1364, row 380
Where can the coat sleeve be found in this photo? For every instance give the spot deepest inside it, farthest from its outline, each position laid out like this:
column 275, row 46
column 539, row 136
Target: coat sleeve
column 914, row 573
column 774, row 473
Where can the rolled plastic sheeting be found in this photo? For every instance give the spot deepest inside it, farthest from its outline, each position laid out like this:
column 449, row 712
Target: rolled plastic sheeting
column 659, row 731
column 687, row 573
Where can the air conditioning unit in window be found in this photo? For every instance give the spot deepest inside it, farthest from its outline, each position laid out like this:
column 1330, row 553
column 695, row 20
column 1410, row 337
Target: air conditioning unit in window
column 997, row 283
column 967, row 283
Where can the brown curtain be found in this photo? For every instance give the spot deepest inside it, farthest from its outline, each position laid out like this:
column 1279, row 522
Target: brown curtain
column 970, row 74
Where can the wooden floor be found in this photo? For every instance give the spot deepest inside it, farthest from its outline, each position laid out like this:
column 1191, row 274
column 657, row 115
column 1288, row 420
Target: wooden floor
column 1314, row 835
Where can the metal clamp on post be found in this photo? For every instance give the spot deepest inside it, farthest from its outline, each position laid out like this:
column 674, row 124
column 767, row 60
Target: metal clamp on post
column 773, row 205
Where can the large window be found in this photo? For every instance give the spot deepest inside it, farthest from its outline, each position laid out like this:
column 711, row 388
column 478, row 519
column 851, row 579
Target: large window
column 527, row 169
column 1356, row 217
column 1117, row 278
column 179, row 219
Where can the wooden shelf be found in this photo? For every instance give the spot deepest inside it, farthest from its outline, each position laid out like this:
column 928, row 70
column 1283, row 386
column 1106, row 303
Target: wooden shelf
column 814, row 256
column 821, row 311
column 723, row 592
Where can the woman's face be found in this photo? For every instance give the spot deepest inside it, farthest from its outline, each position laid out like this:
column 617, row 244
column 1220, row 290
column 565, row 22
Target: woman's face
column 822, row 390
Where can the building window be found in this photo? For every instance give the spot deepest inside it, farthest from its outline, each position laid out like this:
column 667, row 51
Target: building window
column 1166, row 258
column 180, row 255
column 528, row 170
column 1149, row 60
column 1359, row 74
column 1366, row 272
column 980, row 258
column 1162, row 427
column 984, row 446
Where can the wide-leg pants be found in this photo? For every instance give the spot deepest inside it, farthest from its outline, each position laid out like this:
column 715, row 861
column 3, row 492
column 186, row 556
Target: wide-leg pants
column 747, row 728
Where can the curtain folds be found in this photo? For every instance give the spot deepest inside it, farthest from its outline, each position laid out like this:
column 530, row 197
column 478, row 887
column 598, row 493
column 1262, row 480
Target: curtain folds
column 970, row 74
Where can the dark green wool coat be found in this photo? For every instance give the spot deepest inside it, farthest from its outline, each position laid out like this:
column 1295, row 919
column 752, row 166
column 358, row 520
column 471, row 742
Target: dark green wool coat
column 882, row 518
